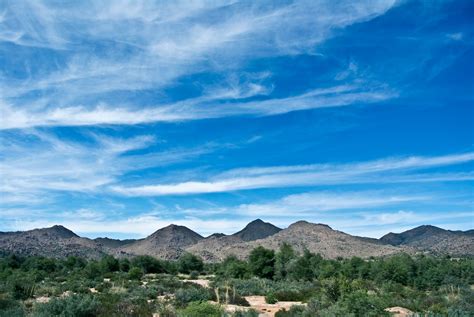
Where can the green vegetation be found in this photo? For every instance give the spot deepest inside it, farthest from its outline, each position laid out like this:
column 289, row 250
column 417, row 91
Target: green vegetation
column 142, row 286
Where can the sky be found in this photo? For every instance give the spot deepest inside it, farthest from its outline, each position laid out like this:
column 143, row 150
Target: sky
column 120, row 117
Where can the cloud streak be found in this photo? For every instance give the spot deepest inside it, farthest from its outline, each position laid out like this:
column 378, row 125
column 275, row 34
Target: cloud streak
column 152, row 46
column 60, row 164
column 384, row 171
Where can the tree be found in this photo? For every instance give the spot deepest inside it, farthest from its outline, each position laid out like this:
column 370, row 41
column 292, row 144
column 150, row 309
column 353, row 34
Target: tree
column 109, row 264
column 124, row 265
column 303, row 268
column 189, row 262
column 232, row 267
column 135, row 273
column 282, row 260
column 149, row 264
column 262, row 262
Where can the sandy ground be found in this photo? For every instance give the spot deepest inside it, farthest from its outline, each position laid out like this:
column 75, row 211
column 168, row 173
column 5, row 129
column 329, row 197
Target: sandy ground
column 268, row 310
column 399, row 311
column 203, row 283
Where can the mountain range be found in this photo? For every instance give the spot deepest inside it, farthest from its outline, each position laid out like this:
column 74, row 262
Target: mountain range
column 172, row 241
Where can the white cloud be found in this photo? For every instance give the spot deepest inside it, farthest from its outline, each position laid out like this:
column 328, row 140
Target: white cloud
column 455, row 36
column 311, row 204
column 34, row 163
column 309, row 175
column 164, row 42
column 211, row 106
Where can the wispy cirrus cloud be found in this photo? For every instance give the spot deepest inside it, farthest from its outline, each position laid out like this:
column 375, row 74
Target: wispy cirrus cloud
column 66, row 165
column 384, row 171
column 198, row 108
column 313, row 203
column 150, row 46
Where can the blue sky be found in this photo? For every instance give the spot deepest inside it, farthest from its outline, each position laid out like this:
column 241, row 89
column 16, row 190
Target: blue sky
column 120, row 117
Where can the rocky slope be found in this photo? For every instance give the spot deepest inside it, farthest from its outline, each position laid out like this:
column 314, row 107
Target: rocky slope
column 172, row 241
column 166, row 243
column 255, row 230
column 56, row 241
column 434, row 239
column 113, row 243
column 317, row 238
column 210, row 248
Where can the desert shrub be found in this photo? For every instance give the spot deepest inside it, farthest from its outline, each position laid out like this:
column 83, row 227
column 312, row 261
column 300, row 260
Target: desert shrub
column 289, row 295
column 39, row 263
column 295, row 311
column 21, row 288
column 129, row 305
column 74, row 262
column 70, row 306
column 189, row 262
column 359, row 303
column 109, row 264
column 165, row 310
column 184, row 296
column 232, row 267
column 124, row 265
column 149, row 264
column 246, row 313
column 271, row 298
column 10, row 307
column 103, row 287
column 262, row 262
column 92, row 270
column 199, row 309
column 283, row 259
column 253, row 286
column 135, row 273
column 194, row 275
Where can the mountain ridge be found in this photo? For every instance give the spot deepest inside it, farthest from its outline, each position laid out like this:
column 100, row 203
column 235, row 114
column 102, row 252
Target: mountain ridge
column 434, row 239
column 173, row 240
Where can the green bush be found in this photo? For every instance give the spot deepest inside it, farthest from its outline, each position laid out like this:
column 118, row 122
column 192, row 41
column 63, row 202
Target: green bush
column 262, row 262
column 133, row 305
column 9, row 307
column 246, row 313
column 149, row 264
column 71, row 306
column 232, row 267
column 189, row 262
column 271, row 298
column 295, row 311
column 200, row 309
column 183, row 296
column 135, row 273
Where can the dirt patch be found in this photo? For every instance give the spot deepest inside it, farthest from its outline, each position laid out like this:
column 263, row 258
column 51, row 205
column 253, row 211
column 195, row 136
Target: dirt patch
column 399, row 311
column 268, row 310
column 203, row 283
column 42, row 299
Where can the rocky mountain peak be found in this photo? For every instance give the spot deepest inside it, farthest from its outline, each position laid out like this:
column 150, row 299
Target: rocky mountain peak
column 257, row 229
column 58, row 231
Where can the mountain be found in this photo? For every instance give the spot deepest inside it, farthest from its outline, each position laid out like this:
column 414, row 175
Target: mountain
column 434, row 239
column 317, row 238
column 216, row 235
column 255, row 230
column 167, row 243
column 211, row 248
column 113, row 243
column 172, row 241
column 56, row 241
